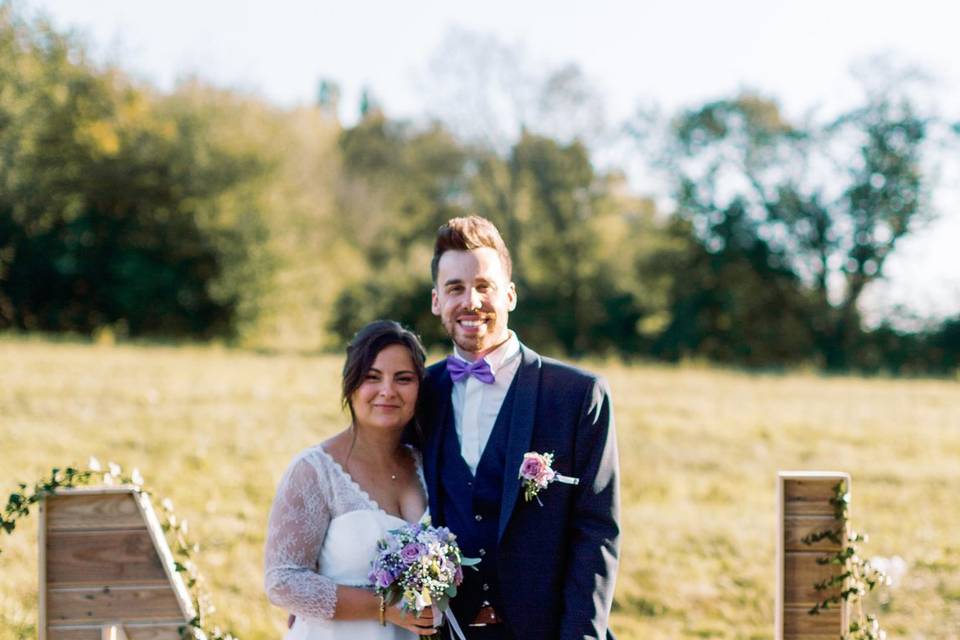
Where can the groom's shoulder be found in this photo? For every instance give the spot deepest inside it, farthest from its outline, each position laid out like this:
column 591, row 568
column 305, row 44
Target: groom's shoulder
column 565, row 373
column 436, row 369
column 433, row 376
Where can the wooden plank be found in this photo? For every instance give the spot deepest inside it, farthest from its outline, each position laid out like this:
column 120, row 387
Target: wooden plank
column 109, row 604
column 93, row 511
column 809, row 496
column 102, row 557
column 154, row 633
column 42, row 569
column 160, row 544
column 165, row 631
column 113, row 632
column 796, row 528
column 802, row 572
column 103, row 489
column 74, row 633
column 798, row 623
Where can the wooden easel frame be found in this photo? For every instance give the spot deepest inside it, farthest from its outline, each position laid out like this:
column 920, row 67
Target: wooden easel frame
column 114, row 630
column 781, row 572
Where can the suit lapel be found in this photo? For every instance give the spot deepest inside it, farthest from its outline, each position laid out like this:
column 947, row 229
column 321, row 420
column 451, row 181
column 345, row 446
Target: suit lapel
column 441, row 420
column 521, row 431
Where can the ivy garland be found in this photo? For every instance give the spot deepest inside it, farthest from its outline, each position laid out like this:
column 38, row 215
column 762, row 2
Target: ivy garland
column 857, row 577
column 176, row 529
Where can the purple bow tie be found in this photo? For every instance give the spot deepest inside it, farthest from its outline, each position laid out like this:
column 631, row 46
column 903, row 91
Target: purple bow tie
column 460, row 369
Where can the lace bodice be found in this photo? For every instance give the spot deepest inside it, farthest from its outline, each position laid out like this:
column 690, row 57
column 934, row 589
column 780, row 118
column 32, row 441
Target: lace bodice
column 301, row 574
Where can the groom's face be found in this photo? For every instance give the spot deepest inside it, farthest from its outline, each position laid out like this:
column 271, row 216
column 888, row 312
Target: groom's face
column 473, row 297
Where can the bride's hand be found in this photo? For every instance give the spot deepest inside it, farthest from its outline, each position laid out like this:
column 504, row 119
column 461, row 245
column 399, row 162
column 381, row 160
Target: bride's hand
column 422, row 625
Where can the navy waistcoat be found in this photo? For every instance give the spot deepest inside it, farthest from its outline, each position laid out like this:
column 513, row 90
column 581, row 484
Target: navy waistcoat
column 471, row 509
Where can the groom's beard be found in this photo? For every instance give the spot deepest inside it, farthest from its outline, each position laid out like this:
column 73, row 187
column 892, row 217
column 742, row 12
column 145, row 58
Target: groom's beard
column 491, row 333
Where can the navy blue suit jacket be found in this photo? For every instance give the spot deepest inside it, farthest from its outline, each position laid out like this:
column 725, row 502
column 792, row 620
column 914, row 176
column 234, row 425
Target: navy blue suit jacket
column 557, row 562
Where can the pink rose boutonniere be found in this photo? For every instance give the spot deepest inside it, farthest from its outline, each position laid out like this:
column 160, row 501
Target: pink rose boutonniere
column 537, row 473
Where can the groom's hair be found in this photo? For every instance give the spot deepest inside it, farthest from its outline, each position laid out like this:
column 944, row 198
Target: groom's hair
column 464, row 234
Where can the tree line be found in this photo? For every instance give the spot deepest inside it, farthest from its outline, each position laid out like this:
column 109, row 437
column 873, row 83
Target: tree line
column 203, row 213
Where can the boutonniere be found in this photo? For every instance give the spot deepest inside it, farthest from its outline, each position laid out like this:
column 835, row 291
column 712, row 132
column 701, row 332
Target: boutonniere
column 537, row 473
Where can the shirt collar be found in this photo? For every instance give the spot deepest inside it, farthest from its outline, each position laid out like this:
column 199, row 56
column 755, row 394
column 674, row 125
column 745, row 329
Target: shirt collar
column 499, row 357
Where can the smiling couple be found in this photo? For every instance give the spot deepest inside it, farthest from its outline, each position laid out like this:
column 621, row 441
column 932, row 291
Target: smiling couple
column 515, row 453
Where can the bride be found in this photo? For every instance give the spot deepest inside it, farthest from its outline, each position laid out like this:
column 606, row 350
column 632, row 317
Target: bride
column 337, row 499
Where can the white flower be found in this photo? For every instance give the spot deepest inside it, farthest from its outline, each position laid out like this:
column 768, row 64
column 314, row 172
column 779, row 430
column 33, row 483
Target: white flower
column 114, row 468
column 136, row 477
column 895, row 568
column 94, row 464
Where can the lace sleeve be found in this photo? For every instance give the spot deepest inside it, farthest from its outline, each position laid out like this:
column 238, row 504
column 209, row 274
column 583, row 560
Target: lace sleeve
column 298, row 523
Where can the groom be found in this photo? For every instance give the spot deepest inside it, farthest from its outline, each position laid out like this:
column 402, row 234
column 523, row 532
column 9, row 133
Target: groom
column 548, row 564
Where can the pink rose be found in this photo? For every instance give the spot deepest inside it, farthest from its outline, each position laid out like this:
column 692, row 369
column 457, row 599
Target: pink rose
column 545, row 477
column 533, row 467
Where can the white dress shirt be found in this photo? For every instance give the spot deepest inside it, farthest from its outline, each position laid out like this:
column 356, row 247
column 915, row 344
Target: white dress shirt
column 476, row 404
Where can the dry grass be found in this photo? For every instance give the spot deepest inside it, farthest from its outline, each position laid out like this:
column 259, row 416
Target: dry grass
column 213, row 429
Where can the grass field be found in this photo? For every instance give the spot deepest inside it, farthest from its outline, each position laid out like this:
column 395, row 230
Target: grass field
column 213, row 429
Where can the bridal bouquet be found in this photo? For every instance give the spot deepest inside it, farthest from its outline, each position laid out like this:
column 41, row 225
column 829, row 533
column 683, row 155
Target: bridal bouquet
column 419, row 566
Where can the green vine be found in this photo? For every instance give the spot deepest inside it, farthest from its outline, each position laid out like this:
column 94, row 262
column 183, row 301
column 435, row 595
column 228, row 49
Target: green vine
column 176, row 530
column 857, row 577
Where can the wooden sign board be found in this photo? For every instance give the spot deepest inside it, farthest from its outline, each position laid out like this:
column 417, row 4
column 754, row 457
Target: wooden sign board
column 805, row 507
column 106, row 570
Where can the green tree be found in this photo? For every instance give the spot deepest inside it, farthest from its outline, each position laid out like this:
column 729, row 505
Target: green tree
column 574, row 236
column 829, row 201
column 399, row 184
column 117, row 207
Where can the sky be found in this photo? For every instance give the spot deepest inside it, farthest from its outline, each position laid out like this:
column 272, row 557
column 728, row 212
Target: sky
column 809, row 54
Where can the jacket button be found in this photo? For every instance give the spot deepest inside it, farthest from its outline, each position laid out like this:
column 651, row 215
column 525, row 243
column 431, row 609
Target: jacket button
column 478, row 517
column 483, row 552
column 486, row 587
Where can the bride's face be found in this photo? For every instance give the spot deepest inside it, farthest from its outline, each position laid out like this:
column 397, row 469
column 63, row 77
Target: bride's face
column 387, row 396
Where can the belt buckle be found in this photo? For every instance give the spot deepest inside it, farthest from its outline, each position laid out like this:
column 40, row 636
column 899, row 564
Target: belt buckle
column 491, row 614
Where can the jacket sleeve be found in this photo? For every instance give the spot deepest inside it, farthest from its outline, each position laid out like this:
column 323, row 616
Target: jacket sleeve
column 594, row 527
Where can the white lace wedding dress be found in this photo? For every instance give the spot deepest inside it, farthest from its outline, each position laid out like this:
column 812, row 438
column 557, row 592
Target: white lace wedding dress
column 323, row 532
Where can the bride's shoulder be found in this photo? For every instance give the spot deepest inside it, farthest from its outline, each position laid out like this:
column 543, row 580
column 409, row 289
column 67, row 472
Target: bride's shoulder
column 313, row 463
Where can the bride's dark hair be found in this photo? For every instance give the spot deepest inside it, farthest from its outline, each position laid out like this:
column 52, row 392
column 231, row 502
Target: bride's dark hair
column 367, row 344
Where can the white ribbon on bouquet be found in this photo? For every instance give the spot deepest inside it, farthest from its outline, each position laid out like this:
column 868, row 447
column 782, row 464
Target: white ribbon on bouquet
column 455, row 630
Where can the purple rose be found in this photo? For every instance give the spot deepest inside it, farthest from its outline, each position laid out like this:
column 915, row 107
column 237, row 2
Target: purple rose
column 382, row 578
column 411, row 553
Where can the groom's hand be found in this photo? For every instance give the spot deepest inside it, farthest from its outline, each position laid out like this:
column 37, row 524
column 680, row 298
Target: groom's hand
column 421, row 625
